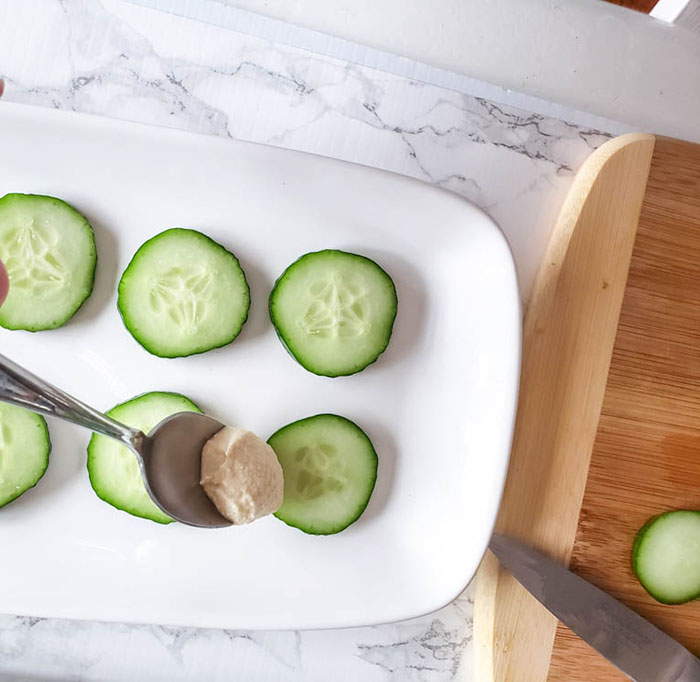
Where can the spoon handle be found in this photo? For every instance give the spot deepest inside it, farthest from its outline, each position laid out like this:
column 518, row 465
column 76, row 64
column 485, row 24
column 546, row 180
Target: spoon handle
column 20, row 387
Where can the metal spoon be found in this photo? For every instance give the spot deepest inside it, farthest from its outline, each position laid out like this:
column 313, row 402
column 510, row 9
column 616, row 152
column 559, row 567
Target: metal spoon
column 169, row 456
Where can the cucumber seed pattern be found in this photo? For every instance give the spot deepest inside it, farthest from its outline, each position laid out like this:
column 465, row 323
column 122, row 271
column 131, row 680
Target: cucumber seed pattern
column 312, row 480
column 182, row 293
column 337, row 309
column 29, row 260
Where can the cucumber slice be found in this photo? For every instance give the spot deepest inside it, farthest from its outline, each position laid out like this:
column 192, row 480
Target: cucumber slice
column 334, row 311
column 330, row 468
column 183, row 294
column 24, row 451
column 49, row 251
column 114, row 471
column 666, row 556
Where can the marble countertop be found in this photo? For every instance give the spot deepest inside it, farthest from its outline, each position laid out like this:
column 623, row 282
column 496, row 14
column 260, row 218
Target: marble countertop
column 118, row 59
column 594, row 55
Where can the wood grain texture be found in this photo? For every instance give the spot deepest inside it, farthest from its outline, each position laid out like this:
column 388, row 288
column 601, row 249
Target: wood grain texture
column 640, row 5
column 646, row 456
column 568, row 339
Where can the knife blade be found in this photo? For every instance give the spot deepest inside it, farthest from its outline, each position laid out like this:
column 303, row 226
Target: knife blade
column 639, row 649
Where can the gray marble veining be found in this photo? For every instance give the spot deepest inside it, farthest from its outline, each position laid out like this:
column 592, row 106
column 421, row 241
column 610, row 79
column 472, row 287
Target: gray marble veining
column 116, row 59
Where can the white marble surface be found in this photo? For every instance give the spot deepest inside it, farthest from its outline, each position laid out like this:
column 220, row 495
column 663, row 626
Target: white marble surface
column 602, row 58
column 116, row 59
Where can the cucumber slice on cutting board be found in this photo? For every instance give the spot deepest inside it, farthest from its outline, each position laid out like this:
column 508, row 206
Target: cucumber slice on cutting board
column 666, row 556
column 330, row 468
column 334, row 311
column 114, row 471
column 182, row 293
column 24, row 451
column 49, row 251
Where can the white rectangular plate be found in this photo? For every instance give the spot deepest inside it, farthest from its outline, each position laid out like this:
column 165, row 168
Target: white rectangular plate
column 438, row 405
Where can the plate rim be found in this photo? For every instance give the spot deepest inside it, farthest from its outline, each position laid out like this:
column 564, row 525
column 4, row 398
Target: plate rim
column 7, row 107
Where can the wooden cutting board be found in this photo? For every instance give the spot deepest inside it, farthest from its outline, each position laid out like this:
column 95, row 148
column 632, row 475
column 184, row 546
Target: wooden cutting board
column 646, row 455
column 638, row 424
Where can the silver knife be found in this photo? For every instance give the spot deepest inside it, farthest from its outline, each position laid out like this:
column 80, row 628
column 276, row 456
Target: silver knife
column 639, row 649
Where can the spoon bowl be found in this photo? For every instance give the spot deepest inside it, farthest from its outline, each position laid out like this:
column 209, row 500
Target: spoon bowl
column 170, row 465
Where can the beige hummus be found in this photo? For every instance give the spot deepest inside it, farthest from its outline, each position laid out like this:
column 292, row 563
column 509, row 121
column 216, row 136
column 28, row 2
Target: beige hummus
column 241, row 475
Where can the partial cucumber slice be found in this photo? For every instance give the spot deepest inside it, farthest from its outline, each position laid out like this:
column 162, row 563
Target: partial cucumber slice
column 334, row 311
column 183, row 294
column 330, row 468
column 49, row 251
column 24, row 451
column 666, row 556
column 114, row 472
